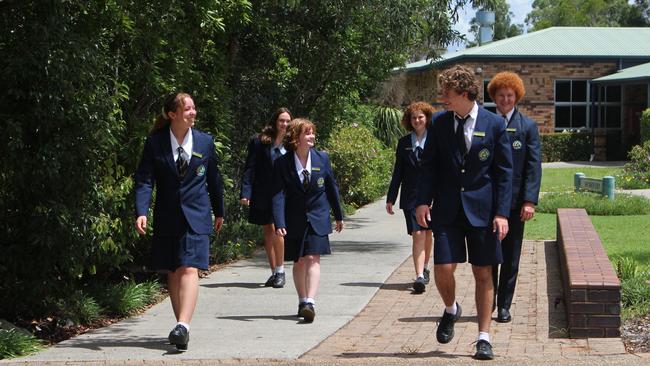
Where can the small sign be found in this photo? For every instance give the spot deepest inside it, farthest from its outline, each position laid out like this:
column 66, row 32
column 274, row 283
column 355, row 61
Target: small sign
column 591, row 184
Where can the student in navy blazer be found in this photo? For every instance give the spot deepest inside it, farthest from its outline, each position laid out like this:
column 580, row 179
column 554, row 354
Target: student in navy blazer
column 408, row 154
column 305, row 192
column 467, row 173
column 507, row 89
column 256, row 190
column 181, row 163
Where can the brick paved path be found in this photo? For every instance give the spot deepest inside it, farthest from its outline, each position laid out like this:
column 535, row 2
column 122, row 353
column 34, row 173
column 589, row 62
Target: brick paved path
column 399, row 324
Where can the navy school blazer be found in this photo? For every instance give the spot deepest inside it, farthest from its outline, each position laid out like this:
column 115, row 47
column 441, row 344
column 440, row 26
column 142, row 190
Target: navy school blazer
column 190, row 197
column 294, row 207
column 526, row 160
column 405, row 173
column 482, row 180
column 256, row 181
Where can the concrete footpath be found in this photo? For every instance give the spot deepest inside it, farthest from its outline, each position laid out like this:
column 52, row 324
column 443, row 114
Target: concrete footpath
column 366, row 315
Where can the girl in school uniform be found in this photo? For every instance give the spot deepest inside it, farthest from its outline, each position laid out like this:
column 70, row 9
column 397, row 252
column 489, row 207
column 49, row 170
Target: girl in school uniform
column 181, row 163
column 405, row 173
column 305, row 190
column 263, row 150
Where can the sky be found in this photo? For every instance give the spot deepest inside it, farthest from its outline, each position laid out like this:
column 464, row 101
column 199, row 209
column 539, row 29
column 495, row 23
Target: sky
column 520, row 8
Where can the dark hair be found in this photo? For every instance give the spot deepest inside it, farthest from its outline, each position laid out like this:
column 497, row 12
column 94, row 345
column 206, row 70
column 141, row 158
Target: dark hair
column 459, row 79
column 170, row 104
column 425, row 107
column 270, row 131
column 294, row 130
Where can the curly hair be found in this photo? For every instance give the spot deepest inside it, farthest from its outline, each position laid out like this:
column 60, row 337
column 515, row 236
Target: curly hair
column 270, row 131
column 424, row 107
column 294, row 130
column 507, row 79
column 459, row 79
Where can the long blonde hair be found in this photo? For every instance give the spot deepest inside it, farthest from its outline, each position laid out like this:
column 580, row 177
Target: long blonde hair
column 171, row 104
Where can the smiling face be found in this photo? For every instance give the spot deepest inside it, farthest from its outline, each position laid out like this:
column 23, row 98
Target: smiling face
column 282, row 122
column 184, row 115
column 418, row 121
column 505, row 99
column 454, row 101
column 306, row 139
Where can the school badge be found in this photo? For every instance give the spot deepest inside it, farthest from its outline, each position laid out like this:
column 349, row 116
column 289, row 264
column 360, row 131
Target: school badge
column 200, row 171
column 320, row 182
column 484, row 154
column 516, row 144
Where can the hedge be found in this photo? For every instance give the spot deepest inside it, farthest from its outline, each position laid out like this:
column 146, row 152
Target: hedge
column 645, row 126
column 566, row 146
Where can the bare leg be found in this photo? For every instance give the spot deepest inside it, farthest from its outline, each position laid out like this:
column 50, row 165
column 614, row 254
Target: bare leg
column 428, row 247
column 484, row 296
column 186, row 283
column 445, row 282
column 312, row 274
column 278, row 249
column 419, row 238
column 173, row 287
column 269, row 245
column 299, row 278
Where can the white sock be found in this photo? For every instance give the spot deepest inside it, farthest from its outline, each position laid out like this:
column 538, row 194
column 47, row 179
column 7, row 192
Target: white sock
column 484, row 336
column 302, row 300
column 309, row 300
column 451, row 309
column 279, row 269
column 420, row 275
column 187, row 326
column 426, row 266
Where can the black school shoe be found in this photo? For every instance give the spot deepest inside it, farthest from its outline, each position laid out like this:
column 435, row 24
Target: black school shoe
column 180, row 337
column 307, row 312
column 483, row 350
column 279, row 280
column 445, row 331
column 270, row 281
column 503, row 316
column 419, row 286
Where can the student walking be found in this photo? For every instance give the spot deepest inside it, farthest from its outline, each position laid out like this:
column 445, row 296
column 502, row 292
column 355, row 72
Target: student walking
column 181, row 164
column 256, row 184
column 305, row 191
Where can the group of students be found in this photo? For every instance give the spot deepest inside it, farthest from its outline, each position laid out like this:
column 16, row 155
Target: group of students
column 469, row 178
column 289, row 186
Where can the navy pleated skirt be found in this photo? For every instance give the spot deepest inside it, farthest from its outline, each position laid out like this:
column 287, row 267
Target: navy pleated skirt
column 187, row 249
column 310, row 243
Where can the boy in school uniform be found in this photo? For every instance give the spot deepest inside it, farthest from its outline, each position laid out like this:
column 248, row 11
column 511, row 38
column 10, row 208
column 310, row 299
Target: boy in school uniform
column 467, row 173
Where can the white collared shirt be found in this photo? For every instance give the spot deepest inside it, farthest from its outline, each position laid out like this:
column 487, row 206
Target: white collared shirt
column 508, row 115
column 469, row 126
column 188, row 144
column 275, row 155
column 415, row 143
column 300, row 168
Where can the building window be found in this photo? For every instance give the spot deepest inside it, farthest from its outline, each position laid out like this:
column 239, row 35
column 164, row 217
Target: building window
column 571, row 104
column 609, row 106
column 488, row 103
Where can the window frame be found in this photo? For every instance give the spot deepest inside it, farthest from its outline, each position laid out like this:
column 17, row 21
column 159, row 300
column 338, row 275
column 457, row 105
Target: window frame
column 586, row 104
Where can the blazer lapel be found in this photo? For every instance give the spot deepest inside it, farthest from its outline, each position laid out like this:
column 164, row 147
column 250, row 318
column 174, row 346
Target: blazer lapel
column 479, row 127
column 166, row 147
column 267, row 152
column 451, row 130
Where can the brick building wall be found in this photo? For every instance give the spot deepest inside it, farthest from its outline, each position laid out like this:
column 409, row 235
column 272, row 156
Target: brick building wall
column 538, row 76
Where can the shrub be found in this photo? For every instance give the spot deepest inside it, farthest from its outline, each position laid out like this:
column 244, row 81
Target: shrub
column 635, row 295
column 388, row 127
column 128, row 298
column 636, row 173
column 361, row 163
column 566, row 146
column 626, row 267
column 79, row 308
column 15, row 344
column 595, row 204
column 645, row 126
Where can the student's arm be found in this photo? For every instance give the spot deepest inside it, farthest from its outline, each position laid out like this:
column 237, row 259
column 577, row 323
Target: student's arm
column 144, row 184
column 278, row 200
column 395, row 181
column 249, row 174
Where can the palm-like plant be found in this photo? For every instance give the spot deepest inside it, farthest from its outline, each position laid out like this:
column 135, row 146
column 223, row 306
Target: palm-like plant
column 387, row 125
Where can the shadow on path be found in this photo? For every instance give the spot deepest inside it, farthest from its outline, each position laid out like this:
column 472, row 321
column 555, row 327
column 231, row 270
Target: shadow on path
column 557, row 322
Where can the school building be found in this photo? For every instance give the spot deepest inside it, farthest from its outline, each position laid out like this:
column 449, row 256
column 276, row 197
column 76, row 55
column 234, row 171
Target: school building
column 595, row 80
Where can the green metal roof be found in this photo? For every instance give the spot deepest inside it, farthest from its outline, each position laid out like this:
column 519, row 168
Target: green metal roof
column 556, row 43
column 636, row 73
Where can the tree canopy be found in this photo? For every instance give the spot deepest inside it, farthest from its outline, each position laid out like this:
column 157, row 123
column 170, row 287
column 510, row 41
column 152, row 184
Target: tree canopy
column 589, row 13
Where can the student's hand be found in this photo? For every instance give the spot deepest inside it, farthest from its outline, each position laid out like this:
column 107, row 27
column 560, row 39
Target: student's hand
column 423, row 215
column 339, row 226
column 245, row 201
column 527, row 211
column 141, row 224
column 389, row 208
column 281, row 231
column 218, row 223
column 500, row 226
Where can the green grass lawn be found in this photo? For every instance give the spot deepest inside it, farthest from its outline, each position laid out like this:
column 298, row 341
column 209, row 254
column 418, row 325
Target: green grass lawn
column 627, row 236
column 561, row 179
